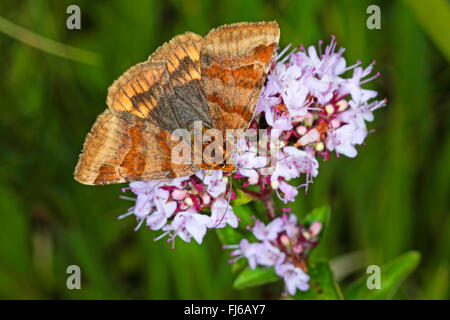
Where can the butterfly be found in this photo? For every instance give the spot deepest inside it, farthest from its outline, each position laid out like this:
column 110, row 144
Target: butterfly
column 216, row 79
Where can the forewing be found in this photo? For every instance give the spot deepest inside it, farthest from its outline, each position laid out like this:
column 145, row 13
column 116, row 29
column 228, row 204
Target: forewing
column 182, row 56
column 234, row 61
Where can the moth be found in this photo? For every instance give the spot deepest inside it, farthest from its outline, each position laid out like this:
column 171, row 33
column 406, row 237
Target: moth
column 216, row 79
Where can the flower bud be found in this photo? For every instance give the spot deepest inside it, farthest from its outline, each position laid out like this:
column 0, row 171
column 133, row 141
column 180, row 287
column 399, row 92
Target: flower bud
column 309, row 119
column 298, row 248
column 275, row 184
column 320, row 146
column 311, row 136
column 342, row 105
column 315, row 228
column 334, row 124
column 253, row 180
column 188, row 201
column 329, row 109
column 301, row 130
column 206, row 199
column 285, row 241
column 178, row 194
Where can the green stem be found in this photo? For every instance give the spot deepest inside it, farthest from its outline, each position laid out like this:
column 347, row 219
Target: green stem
column 39, row 42
column 267, row 200
column 269, row 204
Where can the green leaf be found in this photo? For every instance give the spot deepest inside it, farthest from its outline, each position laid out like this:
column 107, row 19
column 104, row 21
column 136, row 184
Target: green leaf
column 321, row 214
column 433, row 16
column 321, row 284
column 259, row 276
column 244, row 213
column 392, row 275
column 229, row 235
column 238, row 266
column 241, row 198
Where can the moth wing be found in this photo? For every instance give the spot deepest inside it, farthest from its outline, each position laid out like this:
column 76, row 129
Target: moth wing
column 122, row 149
column 234, row 62
column 144, row 91
column 182, row 56
column 173, row 96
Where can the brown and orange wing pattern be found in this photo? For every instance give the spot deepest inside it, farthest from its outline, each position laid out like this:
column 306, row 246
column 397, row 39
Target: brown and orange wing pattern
column 182, row 56
column 120, row 150
column 165, row 87
column 144, row 91
column 132, row 139
column 234, row 62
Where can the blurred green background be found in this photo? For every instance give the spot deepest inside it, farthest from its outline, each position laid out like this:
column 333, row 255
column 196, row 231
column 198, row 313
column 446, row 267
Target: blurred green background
column 392, row 198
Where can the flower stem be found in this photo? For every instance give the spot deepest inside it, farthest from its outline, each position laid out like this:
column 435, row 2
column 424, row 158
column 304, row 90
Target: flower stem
column 267, row 200
column 269, row 204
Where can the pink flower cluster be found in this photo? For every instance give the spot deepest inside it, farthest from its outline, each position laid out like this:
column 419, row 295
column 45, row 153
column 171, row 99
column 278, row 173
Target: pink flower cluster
column 314, row 110
column 175, row 206
column 283, row 244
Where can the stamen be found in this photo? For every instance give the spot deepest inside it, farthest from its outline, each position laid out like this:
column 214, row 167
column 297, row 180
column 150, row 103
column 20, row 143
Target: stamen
column 358, row 62
column 125, row 215
column 230, row 261
column 127, row 198
column 160, row 236
column 333, row 43
column 283, row 52
column 230, row 246
column 287, row 56
column 378, row 105
column 371, row 78
column 139, row 225
column 228, row 203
